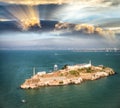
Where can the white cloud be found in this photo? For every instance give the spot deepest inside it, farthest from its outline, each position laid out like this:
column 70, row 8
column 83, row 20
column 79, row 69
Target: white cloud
column 36, row 2
column 34, row 41
column 88, row 11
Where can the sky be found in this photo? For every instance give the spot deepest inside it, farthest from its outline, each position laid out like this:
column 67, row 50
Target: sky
column 101, row 13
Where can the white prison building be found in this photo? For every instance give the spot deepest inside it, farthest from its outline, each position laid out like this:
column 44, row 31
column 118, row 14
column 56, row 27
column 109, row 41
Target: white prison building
column 80, row 66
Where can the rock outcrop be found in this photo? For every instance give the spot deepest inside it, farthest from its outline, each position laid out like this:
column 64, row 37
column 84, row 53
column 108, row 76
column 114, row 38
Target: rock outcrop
column 67, row 76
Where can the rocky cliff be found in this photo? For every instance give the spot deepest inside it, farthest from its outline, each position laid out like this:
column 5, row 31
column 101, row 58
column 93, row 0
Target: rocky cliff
column 67, row 76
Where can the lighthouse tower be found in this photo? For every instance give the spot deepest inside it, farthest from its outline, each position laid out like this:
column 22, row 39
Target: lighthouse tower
column 90, row 63
column 33, row 71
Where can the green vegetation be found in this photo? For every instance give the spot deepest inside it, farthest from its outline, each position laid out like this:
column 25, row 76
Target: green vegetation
column 74, row 72
column 65, row 66
column 81, row 70
column 104, row 67
column 33, row 80
column 89, row 70
column 61, row 82
column 61, row 74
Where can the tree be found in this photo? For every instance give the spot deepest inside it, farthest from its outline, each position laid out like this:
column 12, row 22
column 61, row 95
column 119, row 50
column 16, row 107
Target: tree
column 65, row 66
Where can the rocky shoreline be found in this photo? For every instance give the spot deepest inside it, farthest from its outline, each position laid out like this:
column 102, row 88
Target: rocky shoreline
column 66, row 76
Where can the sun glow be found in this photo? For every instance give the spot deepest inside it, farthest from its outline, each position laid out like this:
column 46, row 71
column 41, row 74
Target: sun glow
column 26, row 16
column 37, row 2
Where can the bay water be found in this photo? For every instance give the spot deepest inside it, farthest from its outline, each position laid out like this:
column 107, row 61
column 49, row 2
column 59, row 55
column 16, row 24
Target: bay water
column 16, row 66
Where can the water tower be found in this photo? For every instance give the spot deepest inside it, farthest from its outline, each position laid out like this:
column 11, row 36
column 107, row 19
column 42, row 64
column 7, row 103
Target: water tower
column 55, row 67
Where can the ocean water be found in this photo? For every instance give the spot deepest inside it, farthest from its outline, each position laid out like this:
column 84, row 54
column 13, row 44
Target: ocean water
column 16, row 66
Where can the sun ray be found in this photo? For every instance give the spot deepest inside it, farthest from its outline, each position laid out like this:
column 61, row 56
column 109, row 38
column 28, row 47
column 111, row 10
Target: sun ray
column 26, row 16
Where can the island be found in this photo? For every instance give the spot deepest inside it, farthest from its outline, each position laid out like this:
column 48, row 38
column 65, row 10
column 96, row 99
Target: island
column 75, row 74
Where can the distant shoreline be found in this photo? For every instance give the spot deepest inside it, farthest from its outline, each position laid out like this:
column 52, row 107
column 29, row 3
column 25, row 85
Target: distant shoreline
column 106, row 50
